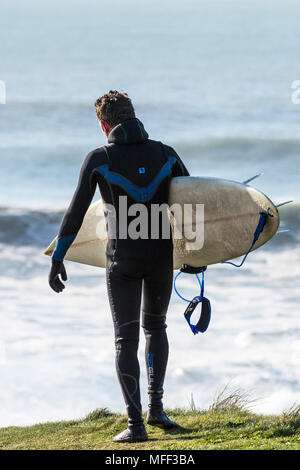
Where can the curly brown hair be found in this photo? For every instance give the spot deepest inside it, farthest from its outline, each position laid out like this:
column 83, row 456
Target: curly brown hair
column 114, row 107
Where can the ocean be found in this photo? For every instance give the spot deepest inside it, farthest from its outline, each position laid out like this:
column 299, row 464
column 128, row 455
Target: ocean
column 213, row 80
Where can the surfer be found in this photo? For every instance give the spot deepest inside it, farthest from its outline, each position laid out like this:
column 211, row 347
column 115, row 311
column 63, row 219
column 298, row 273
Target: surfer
column 140, row 169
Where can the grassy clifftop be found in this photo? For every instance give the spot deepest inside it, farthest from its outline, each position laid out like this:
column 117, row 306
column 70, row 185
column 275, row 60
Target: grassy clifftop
column 216, row 429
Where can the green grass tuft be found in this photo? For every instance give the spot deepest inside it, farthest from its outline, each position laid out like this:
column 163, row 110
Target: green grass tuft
column 98, row 413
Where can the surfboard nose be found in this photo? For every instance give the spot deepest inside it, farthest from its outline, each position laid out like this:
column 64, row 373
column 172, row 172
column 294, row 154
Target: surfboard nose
column 231, row 216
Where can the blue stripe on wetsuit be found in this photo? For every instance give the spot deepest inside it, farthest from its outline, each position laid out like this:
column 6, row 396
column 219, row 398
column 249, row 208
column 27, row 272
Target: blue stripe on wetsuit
column 139, row 194
column 62, row 246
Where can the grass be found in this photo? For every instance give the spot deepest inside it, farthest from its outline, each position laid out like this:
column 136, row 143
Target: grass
column 226, row 425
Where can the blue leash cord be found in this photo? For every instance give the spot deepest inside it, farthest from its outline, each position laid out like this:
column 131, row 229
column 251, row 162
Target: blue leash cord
column 259, row 229
column 201, row 284
column 204, row 319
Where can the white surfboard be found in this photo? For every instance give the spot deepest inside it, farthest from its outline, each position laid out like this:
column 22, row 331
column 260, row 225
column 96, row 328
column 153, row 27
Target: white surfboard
column 231, row 215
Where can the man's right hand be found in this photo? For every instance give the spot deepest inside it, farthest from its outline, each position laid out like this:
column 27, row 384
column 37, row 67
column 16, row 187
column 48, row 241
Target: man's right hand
column 57, row 269
column 186, row 268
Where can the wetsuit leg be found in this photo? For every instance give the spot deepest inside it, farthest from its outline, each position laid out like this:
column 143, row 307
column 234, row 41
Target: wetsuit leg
column 124, row 283
column 157, row 288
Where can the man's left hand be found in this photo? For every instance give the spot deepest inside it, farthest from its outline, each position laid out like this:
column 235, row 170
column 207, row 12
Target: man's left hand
column 57, row 269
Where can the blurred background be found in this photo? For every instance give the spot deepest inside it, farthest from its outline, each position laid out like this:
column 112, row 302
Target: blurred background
column 212, row 79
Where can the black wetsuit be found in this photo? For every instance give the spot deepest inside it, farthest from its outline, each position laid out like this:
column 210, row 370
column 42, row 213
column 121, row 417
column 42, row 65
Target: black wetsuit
column 139, row 270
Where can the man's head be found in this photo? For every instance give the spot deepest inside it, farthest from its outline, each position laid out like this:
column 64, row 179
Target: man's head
column 113, row 108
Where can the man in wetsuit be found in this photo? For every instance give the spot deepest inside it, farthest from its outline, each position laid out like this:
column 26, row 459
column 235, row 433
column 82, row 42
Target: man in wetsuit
column 137, row 170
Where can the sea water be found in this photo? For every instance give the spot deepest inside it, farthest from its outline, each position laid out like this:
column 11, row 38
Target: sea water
column 213, row 80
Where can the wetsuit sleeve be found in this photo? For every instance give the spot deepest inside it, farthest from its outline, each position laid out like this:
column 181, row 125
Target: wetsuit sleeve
column 179, row 168
column 76, row 211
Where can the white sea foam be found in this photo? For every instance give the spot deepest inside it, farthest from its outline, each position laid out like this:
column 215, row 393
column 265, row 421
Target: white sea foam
column 57, row 358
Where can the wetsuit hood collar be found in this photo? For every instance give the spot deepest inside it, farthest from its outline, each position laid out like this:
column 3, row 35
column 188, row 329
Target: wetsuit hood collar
column 130, row 131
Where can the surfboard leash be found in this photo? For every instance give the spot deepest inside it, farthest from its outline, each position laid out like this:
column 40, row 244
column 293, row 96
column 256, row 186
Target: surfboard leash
column 260, row 226
column 204, row 319
column 205, row 315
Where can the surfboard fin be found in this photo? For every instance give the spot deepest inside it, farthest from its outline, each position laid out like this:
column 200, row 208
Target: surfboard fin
column 253, row 178
column 283, row 203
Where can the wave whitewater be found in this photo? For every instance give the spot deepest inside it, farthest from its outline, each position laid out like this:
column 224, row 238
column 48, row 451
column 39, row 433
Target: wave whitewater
column 23, row 227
